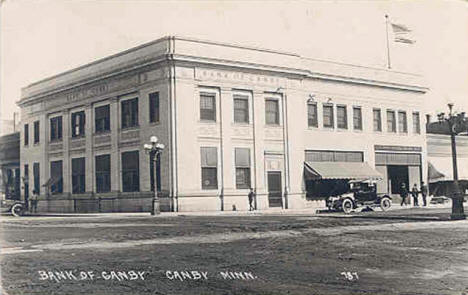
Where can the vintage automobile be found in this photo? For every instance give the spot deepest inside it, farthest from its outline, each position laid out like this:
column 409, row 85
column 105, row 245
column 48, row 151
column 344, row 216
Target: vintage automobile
column 362, row 193
column 15, row 207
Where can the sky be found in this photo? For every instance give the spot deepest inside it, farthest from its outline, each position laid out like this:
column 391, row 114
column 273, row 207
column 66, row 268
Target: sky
column 39, row 39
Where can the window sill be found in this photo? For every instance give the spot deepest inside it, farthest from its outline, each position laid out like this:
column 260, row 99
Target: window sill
column 99, row 133
column 77, row 137
column 154, row 123
column 55, row 141
column 273, row 126
column 136, row 127
column 241, row 124
column 37, row 144
column 207, row 122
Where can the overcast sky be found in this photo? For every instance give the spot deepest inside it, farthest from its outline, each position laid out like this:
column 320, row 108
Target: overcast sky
column 44, row 38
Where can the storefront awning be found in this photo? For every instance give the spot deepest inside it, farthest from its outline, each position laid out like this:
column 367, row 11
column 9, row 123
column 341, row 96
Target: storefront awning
column 441, row 169
column 340, row 170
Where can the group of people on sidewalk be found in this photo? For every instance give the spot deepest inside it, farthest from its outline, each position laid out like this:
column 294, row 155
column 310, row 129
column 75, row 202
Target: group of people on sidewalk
column 404, row 193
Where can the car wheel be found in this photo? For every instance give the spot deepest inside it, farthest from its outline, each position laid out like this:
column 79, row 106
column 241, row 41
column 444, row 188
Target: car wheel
column 385, row 204
column 347, row 206
column 17, row 210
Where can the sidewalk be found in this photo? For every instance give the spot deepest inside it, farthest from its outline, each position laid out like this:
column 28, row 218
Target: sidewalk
column 302, row 211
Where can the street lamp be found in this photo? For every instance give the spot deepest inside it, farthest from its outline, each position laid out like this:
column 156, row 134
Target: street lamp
column 457, row 123
column 154, row 149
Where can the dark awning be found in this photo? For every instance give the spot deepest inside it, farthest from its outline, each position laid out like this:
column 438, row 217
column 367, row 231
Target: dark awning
column 340, row 170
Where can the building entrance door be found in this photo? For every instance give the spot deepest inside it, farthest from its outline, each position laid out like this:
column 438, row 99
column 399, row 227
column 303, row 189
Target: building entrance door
column 275, row 196
column 398, row 174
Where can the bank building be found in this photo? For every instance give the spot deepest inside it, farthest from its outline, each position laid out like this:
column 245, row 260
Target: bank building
column 231, row 117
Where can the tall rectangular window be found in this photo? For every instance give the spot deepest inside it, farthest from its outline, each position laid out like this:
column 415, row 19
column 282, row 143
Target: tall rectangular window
column 26, row 134
column 342, row 117
column 57, row 177
column 416, row 123
column 357, row 118
column 391, row 121
column 312, row 118
column 103, row 170
column 78, row 124
column 377, row 117
column 271, row 112
column 402, row 122
column 207, row 106
column 102, row 119
column 78, row 176
column 130, row 172
column 241, row 109
column 37, row 177
column 56, row 128
column 129, row 113
column 242, row 158
column 209, row 167
column 328, row 120
column 154, row 107
column 36, row 132
column 26, row 181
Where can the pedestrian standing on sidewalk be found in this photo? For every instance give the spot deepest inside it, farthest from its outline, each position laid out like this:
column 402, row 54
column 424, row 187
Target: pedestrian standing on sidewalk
column 415, row 193
column 33, row 202
column 403, row 194
column 251, row 199
column 424, row 193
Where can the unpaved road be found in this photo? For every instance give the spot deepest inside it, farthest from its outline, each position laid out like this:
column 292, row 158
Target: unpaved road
column 398, row 252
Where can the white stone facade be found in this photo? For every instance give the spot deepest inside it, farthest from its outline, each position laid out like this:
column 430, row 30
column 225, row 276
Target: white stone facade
column 180, row 69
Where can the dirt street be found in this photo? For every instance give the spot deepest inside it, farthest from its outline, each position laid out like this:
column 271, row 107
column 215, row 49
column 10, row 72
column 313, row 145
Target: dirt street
column 414, row 251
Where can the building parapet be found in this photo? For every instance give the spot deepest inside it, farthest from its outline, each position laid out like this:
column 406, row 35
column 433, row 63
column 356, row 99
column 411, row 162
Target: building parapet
column 215, row 53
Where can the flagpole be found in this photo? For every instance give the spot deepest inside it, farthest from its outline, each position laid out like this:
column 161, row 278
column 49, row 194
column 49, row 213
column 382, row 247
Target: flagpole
column 388, row 43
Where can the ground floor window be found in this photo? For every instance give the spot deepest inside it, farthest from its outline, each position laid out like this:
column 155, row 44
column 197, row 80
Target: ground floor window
column 56, row 173
column 209, row 167
column 242, row 158
column 103, row 173
column 323, row 188
column 78, row 176
column 130, row 172
column 36, row 175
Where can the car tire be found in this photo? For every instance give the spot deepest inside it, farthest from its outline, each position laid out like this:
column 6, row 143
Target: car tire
column 385, row 203
column 347, row 206
column 17, row 210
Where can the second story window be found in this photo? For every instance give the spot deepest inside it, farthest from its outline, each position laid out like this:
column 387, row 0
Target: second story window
column 78, row 124
column 26, row 134
column 328, row 120
column 207, row 107
column 129, row 113
column 209, row 167
column 312, row 118
column 377, row 116
column 391, row 121
column 357, row 118
column 56, row 128
column 416, row 123
column 402, row 122
column 342, row 117
column 154, row 107
column 36, row 132
column 241, row 109
column 102, row 119
column 271, row 112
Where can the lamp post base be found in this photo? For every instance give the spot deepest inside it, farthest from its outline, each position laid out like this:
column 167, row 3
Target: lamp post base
column 457, row 208
column 155, row 208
